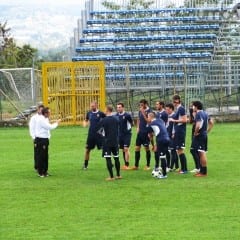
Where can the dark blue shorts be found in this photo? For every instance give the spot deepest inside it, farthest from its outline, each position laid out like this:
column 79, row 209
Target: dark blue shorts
column 179, row 141
column 94, row 140
column 162, row 148
column 200, row 143
column 125, row 141
column 142, row 139
column 109, row 151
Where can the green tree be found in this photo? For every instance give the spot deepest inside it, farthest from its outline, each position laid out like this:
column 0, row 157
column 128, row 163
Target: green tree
column 4, row 34
column 11, row 55
column 26, row 56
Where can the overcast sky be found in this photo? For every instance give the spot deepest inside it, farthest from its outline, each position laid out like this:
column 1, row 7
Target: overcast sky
column 41, row 2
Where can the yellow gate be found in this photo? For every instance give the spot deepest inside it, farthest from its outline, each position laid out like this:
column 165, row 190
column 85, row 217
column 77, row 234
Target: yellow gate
column 70, row 87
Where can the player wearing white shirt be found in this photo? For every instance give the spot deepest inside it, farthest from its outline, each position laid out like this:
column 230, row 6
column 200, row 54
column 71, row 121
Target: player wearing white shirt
column 43, row 128
column 32, row 131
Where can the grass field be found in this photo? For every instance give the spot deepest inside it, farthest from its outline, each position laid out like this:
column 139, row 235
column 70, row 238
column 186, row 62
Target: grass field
column 77, row 204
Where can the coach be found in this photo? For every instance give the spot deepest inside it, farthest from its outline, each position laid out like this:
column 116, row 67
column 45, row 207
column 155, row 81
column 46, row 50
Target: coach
column 43, row 128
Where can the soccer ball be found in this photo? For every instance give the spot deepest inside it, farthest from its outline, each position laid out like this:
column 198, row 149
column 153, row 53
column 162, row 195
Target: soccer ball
column 156, row 172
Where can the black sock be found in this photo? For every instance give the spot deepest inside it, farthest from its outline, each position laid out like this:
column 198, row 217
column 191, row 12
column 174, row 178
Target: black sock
column 117, row 165
column 164, row 166
column 174, row 159
column 168, row 157
column 148, row 157
column 124, row 158
column 127, row 164
column 183, row 162
column 204, row 170
column 137, row 158
column 156, row 159
column 109, row 166
column 86, row 163
column 196, row 158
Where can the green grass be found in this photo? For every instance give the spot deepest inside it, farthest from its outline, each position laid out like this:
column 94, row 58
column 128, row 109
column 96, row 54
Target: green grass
column 77, row 204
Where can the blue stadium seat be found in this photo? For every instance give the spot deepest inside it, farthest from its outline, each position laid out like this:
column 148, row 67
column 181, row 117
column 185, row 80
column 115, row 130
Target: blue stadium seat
column 157, row 11
column 147, row 76
column 142, row 56
column 149, row 38
column 154, row 67
column 152, row 28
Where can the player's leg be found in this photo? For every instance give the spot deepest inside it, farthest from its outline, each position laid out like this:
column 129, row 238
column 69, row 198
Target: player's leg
column 121, row 147
column 168, row 157
column 90, row 144
column 109, row 166
column 107, row 156
column 137, row 151
column 117, row 162
column 203, row 160
column 40, row 156
column 202, row 149
column 146, row 143
column 180, row 146
column 45, row 152
column 157, row 160
column 174, row 159
column 86, row 158
column 183, row 160
column 35, row 154
column 162, row 150
column 126, row 152
column 196, row 158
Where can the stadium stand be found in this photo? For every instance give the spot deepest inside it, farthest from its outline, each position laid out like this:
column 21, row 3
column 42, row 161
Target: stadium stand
column 167, row 48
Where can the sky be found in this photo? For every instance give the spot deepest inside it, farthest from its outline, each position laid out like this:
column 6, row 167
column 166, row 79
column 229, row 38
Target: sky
column 41, row 2
column 45, row 23
column 41, row 23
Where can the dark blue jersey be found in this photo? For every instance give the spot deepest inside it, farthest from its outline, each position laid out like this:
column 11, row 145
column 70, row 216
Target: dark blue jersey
column 179, row 127
column 158, row 127
column 162, row 115
column 110, row 126
column 170, row 126
column 202, row 117
column 142, row 122
column 94, row 118
column 125, row 123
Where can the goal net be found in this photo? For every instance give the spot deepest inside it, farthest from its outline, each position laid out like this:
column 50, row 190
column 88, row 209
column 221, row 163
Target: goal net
column 20, row 90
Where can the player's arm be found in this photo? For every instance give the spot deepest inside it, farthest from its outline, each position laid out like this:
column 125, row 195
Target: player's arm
column 85, row 122
column 182, row 119
column 144, row 114
column 32, row 127
column 45, row 124
column 129, row 119
column 151, row 138
column 210, row 124
column 138, row 125
column 197, row 128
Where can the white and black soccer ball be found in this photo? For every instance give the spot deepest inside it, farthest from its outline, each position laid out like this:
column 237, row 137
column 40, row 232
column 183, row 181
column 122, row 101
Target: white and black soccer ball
column 156, row 172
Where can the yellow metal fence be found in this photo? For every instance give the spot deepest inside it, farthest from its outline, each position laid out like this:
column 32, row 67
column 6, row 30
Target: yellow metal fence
column 70, row 87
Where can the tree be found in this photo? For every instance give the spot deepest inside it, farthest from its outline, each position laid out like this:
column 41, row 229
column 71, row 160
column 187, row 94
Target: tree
column 11, row 55
column 26, row 56
column 4, row 34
